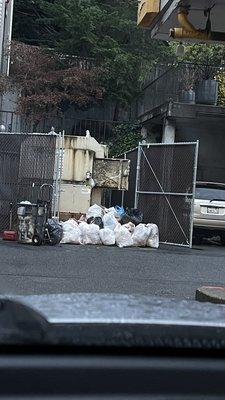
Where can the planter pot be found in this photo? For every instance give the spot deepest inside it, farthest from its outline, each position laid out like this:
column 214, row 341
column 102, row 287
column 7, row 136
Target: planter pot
column 188, row 96
column 207, row 92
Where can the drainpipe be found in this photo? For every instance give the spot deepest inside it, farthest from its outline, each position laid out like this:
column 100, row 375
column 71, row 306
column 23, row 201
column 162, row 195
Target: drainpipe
column 188, row 31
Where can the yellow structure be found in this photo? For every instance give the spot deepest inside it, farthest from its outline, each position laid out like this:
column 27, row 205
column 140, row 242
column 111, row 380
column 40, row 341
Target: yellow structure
column 147, row 11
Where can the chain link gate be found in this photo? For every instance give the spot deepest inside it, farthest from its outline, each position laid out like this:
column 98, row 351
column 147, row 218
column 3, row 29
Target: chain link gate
column 165, row 189
column 27, row 161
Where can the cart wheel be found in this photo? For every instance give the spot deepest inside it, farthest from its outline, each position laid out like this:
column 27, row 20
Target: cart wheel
column 36, row 240
column 53, row 241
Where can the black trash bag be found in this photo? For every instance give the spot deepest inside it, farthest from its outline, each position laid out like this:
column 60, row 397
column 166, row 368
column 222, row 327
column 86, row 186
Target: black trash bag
column 55, row 231
column 132, row 215
column 96, row 221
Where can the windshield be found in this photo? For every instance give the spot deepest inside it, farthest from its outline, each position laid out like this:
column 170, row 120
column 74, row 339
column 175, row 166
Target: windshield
column 99, row 132
column 208, row 193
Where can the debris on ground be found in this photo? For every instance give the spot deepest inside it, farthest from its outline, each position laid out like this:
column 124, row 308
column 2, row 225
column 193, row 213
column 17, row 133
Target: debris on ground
column 109, row 227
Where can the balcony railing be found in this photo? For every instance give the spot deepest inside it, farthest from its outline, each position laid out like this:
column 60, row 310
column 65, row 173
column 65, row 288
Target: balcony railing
column 172, row 82
column 101, row 130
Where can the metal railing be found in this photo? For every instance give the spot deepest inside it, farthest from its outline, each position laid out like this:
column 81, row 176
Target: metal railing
column 101, row 130
column 166, row 83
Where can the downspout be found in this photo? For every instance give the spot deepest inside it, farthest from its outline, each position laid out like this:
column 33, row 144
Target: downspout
column 187, row 30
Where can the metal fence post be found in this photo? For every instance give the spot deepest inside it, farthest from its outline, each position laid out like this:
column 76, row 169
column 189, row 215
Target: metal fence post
column 122, row 195
column 193, row 191
column 56, row 177
column 61, row 168
column 137, row 176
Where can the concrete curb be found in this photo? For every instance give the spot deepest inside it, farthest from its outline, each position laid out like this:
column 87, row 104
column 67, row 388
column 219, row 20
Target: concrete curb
column 212, row 294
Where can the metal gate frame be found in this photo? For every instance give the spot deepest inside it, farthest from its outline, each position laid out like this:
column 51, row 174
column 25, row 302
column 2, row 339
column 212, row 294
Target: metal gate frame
column 162, row 192
column 57, row 159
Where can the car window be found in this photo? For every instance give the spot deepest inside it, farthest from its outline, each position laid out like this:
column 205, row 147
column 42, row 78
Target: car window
column 207, row 193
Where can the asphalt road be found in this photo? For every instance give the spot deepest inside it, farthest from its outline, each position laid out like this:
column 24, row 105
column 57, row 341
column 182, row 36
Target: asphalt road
column 168, row 271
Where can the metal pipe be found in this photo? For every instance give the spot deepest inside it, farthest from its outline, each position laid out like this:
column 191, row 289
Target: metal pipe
column 61, row 167
column 56, row 177
column 188, row 31
column 166, row 144
column 193, row 191
column 181, row 33
column 165, row 193
column 122, row 195
column 184, row 22
column 137, row 176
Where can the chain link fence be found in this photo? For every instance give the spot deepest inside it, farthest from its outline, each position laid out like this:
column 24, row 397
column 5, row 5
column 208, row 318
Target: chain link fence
column 27, row 161
column 165, row 189
column 162, row 186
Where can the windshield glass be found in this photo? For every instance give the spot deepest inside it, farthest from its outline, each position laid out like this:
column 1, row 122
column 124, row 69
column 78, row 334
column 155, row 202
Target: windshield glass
column 100, row 126
column 209, row 193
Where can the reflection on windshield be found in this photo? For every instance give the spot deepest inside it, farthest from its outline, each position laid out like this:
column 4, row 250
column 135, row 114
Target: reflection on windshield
column 204, row 193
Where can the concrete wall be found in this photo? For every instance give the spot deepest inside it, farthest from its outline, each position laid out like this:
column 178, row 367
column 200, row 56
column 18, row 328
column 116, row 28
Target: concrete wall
column 211, row 136
column 79, row 153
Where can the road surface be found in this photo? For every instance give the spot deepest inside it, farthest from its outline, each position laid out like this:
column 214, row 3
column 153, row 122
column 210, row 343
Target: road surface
column 168, row 271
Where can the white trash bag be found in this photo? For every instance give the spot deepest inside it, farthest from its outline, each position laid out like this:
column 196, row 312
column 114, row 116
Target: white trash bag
column 111, row 210
column 123, row 236
column 153, row 239
column 130, row 226
column 83, row 227
column 71, row 233
column 94, row 211
column 140, row 235
column 107, row 237
column 91, row 234
column 68, row 225
column 73, row 236
column 109, row 221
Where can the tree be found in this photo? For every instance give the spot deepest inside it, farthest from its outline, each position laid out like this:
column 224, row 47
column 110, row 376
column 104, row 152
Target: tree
column 103, row 30
column 205, row 54
column 126, row 136
column 49, row 82
column 28, row 23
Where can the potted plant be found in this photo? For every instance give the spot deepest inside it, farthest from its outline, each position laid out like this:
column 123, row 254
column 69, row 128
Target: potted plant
column 187, row 82
column 206, row 89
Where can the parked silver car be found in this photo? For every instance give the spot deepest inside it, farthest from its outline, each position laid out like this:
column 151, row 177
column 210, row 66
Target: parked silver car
column 209, row 210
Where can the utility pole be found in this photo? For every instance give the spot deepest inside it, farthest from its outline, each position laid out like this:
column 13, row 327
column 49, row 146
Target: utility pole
column 6, row 20
column 2, row 26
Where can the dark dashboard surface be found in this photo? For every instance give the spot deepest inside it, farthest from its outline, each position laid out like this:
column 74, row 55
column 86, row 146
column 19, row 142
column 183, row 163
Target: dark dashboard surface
column 95, row 346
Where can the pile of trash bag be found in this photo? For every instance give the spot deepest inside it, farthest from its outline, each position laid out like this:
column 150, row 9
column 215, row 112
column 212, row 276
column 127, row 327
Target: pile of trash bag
column 55, row 231
column 110, row 226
